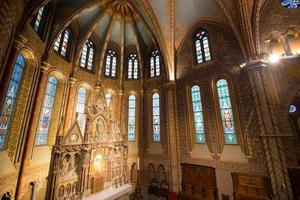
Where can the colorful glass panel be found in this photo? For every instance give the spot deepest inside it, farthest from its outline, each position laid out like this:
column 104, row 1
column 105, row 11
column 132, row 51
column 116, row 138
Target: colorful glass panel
column 108, row 98
column 290, row 3
column 202, row 47
column 80, row 108
column 155, row 64
column 81, row 100
column 10, row 99
column 47, row 111
column 156, row 117
column 87, row 56
column 292, row 109
column 226, row 112
column 131, row 118
column 110, row 64
column 61, row 44
column 198, row 114
column 132, row 66
column 38, row 19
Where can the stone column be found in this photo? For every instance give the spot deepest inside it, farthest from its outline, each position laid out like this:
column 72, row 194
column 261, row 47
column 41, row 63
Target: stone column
column 171, row 115
column 69, row 112
column 140, row 139
column 262, row 88
column 30, row 135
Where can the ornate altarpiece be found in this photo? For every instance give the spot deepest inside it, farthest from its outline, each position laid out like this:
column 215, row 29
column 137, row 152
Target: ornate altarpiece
column 86, row 163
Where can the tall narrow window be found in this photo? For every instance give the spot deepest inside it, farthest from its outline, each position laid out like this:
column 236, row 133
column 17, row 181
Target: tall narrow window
column 131, row 118
column 155, row 64
column 80, row 108
column 87, row 56
column 110, row 64
column 226, row 112
column 38, row 19
column 62, row 43
column 108, row 98
column 202, row 46
column 133, row 65
column 198, row 114
column 156, row 117
column 8, row 105
column 39, row 22
column 47, row 111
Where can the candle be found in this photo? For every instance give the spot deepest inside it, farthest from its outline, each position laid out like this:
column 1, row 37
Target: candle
column 138, row 164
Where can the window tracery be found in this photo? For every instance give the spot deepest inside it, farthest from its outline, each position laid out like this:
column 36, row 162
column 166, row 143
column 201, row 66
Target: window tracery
column 155, row 64
column 133, row 65
column 87, row 56
column 202, row 46
column 110, row 64
column 62, row 43
column 10, row 99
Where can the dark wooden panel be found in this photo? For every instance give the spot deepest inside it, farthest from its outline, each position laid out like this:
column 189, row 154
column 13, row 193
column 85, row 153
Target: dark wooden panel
column 198, row 182
column 251, row 187
column 295, row 181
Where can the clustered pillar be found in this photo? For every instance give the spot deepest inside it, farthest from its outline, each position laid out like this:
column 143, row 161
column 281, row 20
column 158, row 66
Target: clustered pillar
column 262, row 88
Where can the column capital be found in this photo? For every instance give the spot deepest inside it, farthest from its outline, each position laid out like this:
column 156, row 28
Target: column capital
column 255, row 65
column 121, row 92
column 72, row 80
column 45, row 67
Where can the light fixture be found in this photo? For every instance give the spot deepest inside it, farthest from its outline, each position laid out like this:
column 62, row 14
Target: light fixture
column 274, row 58
column 298, row 51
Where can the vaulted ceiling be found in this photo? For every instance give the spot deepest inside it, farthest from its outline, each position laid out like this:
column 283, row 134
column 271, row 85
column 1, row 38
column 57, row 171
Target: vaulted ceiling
column 155, row 23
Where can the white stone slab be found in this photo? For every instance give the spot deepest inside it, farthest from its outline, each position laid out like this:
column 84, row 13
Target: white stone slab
column 111, row 193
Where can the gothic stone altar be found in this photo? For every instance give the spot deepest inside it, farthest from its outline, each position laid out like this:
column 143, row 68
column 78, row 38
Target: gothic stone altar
column 86, row 163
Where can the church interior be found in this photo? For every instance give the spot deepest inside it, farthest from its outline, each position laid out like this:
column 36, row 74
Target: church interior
column 150, row 99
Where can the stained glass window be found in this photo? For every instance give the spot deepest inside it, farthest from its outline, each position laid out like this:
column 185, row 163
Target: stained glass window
column 47, row 111
column 133, row 67
column 131, row 118
column 87, row 56
column 226, row 112
column 202, row 46
column 110, row 64
column 292, row 109
column 62, row 43
column 38, row 19
column 108, row 98
column 10, row 99
column 156, row 117
column 290, row 3
column 80, row 108
column 198, row 114
column 155, row 64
